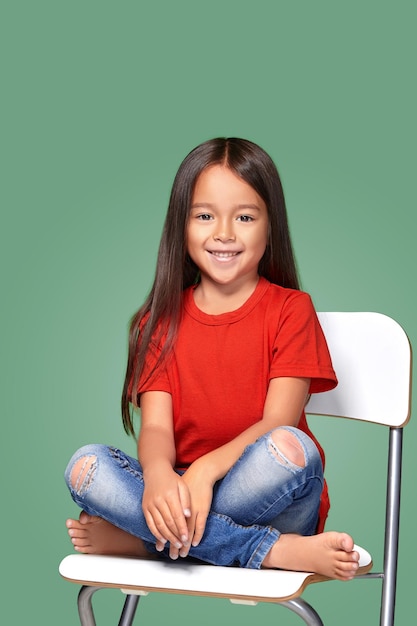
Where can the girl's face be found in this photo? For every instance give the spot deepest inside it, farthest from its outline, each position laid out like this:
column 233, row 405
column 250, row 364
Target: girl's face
column 227, row 228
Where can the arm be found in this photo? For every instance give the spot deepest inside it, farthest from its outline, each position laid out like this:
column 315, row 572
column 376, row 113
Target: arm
column 166, row 500
column 284, row 404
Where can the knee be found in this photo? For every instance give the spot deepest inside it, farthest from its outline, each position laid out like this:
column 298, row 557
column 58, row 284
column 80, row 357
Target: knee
column 287, row 447
column 81, row 469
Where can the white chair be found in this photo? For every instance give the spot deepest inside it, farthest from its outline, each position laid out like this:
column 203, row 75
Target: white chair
column 372, row 357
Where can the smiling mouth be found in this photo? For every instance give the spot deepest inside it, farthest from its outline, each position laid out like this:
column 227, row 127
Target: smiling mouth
column 223, row 255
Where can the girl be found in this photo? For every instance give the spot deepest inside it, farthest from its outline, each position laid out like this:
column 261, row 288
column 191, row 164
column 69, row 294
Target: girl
column 222, row 358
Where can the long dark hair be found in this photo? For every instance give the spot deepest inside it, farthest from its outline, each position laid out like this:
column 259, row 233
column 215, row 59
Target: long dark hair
column 160, row 314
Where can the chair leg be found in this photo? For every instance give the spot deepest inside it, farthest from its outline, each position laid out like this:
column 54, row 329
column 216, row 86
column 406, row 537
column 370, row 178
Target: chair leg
column 303, row 610
column 85, row 608
column 86, row 613
column 392, row 528
column 129, row 610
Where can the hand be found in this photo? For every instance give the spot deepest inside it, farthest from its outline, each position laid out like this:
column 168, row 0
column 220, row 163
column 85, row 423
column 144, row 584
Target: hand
column 201, row 495
column 166, row 505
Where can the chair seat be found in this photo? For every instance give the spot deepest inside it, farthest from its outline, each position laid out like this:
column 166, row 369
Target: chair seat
column 141, row 576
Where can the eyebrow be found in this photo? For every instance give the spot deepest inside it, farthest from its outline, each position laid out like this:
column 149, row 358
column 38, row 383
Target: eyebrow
column 207, row 205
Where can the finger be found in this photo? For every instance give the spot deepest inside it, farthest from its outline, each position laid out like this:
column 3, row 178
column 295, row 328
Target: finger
column 173, row 552
column 159, row 528
column 160, row 539
column 185, row 499
column 183, row 552
column 178, row 524
column 160, row 545
column 175, row 516
column 199, row 528
column 166, row 518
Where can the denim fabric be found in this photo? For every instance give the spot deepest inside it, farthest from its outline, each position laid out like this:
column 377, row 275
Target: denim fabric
column 262, row 496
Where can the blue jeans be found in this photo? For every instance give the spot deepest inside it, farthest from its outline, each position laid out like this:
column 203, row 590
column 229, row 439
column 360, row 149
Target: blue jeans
column 262, row 496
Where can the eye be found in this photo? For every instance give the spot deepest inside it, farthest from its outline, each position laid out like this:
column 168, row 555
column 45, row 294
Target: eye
column 245, row 218
column 204, row 217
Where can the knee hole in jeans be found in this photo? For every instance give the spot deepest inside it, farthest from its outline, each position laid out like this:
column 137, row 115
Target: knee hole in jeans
column 286, row 447
column 82, row 473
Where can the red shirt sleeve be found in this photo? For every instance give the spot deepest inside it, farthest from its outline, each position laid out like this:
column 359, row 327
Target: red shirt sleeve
column 154, row 376
column 299, row 347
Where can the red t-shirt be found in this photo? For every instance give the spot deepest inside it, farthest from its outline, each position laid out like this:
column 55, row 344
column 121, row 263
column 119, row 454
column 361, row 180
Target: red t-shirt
column 221, row 365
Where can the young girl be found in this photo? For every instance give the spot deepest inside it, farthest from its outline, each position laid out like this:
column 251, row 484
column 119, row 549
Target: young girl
column 222, row 358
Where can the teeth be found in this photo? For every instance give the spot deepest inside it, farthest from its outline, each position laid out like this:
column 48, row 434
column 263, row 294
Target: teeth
column 224, row 255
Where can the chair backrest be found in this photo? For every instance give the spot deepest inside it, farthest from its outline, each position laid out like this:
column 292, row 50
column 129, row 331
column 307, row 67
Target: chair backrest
column 371, row 355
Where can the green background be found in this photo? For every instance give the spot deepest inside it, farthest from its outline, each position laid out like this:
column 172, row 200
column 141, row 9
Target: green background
column 100, row 103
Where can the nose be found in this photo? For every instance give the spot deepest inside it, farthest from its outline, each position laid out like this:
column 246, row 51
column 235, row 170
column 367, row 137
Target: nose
column 224, row 231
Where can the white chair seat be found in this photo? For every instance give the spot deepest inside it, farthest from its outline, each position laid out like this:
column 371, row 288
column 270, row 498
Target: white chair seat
column 142, row 576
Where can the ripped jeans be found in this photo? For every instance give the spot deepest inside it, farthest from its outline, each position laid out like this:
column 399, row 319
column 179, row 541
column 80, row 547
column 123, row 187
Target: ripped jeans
column 262, row 495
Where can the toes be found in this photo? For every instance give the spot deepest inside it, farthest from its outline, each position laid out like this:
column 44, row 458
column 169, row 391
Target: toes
column 350, row 567
column 80, row 542
column 346, row 557
column 84, row 549
column 346, row 542
column 70, row 523
column 77, row 533
column 74, row 525
column 347, row 570
column 349, row 559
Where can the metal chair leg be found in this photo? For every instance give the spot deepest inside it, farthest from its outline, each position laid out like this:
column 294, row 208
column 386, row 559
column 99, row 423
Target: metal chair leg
column 85, row 608
column 86, row 613
column 392, row 527
column 303, row 610
column 129, row 610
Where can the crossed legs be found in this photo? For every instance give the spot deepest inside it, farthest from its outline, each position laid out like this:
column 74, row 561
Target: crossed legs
column 330, row 554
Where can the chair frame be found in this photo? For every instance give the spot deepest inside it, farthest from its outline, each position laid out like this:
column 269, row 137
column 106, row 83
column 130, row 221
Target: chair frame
column 85, row 609
column 294, row 602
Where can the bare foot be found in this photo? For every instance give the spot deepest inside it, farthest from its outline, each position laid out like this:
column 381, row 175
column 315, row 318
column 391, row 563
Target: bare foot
column 93, row 535
column 330, row 554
